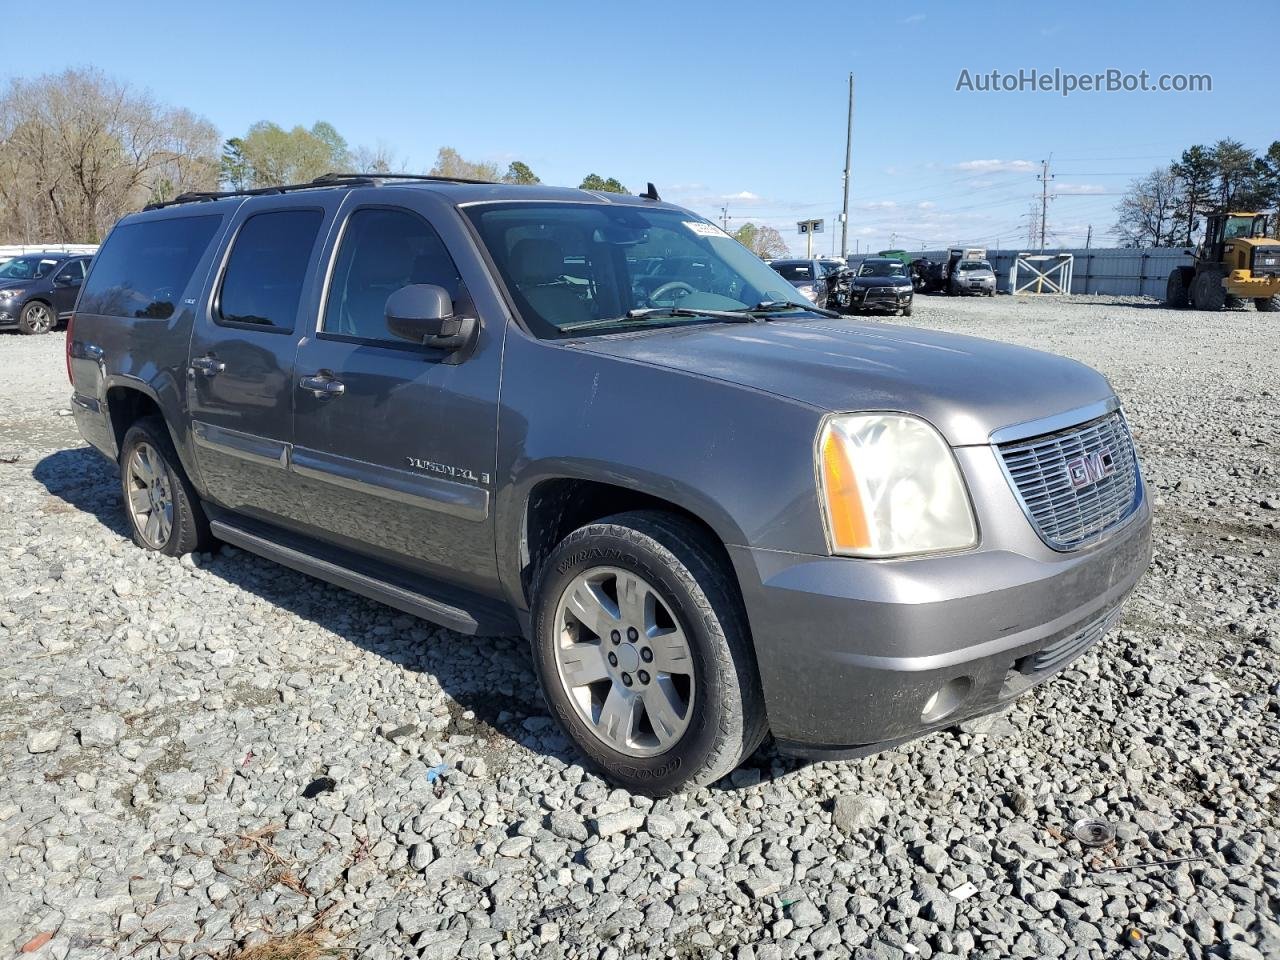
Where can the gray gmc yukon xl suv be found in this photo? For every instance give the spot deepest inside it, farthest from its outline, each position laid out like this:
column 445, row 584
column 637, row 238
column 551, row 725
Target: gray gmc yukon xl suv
column 715, row 510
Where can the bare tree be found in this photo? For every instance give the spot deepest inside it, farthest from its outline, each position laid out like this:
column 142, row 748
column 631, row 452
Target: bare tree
column 762, row 240
column 1148, row 214
column 79, row 150
column 449, row 163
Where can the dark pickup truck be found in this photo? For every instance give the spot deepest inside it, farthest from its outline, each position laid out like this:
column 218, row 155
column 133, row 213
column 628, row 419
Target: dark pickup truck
column 716, row 510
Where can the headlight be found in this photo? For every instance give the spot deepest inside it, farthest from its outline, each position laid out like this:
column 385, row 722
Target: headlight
column 890, row 487
column 10, row 293
column 903, row 288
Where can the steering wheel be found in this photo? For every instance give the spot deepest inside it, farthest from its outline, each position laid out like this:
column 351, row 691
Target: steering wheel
column 670, row 287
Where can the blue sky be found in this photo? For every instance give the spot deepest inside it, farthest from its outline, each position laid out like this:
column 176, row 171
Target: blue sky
column 739, row 104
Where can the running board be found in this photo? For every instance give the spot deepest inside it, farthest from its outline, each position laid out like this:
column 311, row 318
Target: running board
column 410, row 601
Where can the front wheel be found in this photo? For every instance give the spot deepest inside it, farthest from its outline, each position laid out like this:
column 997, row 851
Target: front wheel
column 1267, row 304
column 644, row 655
column 906, row 311
column 163, row 509
column 36, row 317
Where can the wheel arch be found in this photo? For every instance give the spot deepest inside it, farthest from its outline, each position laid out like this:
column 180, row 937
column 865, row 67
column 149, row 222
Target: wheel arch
column 128, row 400
column 555, row 506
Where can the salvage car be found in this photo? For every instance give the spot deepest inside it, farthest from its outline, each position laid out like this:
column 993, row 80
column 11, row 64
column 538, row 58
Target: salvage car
column 38, row 290
column 973, row 278
column 880, row 285
column 716, row 511
column 817, row 279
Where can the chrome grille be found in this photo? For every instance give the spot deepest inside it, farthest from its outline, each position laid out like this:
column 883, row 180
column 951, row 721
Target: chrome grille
column 1065, row 514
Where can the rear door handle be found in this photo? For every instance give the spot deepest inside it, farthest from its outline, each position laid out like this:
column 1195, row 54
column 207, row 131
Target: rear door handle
column 323, row 386
column 209, row 366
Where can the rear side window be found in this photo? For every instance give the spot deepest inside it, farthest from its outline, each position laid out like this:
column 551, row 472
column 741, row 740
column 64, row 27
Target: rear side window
column 144, row 267
column 262, row 285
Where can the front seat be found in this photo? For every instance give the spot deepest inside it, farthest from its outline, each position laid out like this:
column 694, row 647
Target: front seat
column 537, row 267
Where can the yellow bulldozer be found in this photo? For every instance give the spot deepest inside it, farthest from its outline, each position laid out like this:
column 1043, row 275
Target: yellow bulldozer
column 1237, row 261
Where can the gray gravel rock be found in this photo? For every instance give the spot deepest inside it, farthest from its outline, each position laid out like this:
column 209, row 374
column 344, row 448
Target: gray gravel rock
column 180, row 720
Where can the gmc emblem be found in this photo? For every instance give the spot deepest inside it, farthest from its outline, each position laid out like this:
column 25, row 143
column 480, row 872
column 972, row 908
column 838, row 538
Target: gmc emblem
column 1091, row 468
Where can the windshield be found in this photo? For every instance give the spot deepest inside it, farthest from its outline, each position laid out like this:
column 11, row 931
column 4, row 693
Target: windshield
column 1238, row 227
column 795, row 272
column 966, row 265
column 574, row 268
column 882, row 268
column 26, row 268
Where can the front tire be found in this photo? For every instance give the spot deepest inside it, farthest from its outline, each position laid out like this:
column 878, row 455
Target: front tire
column 1267, row 304
column 1207, row 292
column 37, row 317
column 163, row 509
column 643, row 653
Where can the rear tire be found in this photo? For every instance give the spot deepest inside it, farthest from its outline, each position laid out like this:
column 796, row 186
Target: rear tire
column 162, row 507
column 1177, row 293
column 656, row 681
column 37, row 317
column 1267, row 304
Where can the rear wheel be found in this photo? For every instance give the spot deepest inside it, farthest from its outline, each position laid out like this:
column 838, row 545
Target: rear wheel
column 1268, row 304
column 643, row 653
column 1177, row 291
column 163, row 510
column 36, row 317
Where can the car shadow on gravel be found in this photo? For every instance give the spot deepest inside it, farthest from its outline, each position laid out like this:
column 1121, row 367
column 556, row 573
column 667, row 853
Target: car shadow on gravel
column 505, row 710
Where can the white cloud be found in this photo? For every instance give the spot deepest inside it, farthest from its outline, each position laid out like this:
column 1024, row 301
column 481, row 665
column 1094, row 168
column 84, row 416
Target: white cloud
column 880, row 205
column 925, row 205
column 742, row 195
column 994, row 166
column 914, row 18
column 1079, row 189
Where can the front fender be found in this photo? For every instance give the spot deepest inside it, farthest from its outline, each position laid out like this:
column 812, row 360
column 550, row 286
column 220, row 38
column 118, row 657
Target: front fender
column 739, row 459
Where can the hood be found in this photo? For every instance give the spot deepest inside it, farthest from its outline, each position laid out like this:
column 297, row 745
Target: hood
column 964, row 386
column 880, row 281
column 10, row 284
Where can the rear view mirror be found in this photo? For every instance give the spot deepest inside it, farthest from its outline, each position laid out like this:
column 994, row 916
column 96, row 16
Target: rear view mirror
column 422, row 313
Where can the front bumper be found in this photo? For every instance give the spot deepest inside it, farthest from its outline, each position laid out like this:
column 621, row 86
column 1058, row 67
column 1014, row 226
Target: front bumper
column 852, row 651
column 879, row 298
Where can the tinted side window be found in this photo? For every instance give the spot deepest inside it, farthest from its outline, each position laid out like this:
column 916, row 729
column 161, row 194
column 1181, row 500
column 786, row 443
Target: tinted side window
column 144, row 267
column 263, row 281
column 382, row 251
column 72, row 272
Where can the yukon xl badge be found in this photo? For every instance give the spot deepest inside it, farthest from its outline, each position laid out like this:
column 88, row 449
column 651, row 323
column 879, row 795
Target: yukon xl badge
column 445, row 470
column 1091, row 468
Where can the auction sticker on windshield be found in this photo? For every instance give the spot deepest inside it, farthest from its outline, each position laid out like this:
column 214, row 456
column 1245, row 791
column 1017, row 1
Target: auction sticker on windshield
column 703, row 229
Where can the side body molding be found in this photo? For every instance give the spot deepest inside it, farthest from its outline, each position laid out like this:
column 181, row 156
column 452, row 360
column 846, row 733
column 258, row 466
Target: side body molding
column 389, row 483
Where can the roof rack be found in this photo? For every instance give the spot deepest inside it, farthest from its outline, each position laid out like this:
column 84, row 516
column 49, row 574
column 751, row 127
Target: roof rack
column 325, row 180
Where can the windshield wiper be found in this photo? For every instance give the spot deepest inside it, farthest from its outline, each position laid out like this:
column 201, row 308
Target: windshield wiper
column 779, row 306
column 734, row 316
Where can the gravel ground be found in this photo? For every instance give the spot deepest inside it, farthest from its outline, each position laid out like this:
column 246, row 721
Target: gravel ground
column 211, row 754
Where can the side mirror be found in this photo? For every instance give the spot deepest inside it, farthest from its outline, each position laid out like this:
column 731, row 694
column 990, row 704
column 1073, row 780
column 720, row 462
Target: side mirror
column 422, row 313
column 61, row 281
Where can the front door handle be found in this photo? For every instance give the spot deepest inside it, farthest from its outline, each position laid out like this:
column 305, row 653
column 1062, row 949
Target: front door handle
column 209, row 366
column 323, row 386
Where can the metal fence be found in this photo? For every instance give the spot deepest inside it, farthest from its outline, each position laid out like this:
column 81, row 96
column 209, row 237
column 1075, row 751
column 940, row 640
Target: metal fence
column 1119, row 271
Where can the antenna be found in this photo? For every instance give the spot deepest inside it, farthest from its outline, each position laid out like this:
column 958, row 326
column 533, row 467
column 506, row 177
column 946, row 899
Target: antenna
column 651, row 193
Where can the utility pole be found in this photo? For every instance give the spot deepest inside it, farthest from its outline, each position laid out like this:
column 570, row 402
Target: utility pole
column 1044, row 178
column 848, row 155
column 1088, row 237
column 724, row 218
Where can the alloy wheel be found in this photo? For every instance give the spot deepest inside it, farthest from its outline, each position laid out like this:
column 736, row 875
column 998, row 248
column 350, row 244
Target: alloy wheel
column 624, row 662
column 150, row 496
